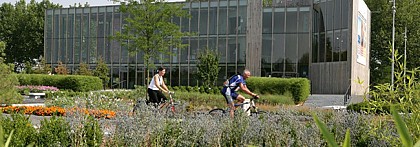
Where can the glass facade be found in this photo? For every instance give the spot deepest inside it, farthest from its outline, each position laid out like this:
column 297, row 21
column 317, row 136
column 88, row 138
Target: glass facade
column 286, row 38
column 294, row 34
column 330, row 30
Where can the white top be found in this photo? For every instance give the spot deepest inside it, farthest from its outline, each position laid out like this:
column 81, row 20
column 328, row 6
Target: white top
column 152, row 82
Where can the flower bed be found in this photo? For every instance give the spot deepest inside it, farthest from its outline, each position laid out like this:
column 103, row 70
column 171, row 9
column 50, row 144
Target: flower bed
column 35, row 89
column 49, row 111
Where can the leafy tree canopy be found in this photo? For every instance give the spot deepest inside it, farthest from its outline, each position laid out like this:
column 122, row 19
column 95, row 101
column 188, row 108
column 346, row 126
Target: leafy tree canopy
column 381, row 36
column 149, row 28
column 22, row 28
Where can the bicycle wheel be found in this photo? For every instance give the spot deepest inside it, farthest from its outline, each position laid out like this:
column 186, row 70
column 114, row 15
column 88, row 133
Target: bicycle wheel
column 217, row 112
column 138, row 105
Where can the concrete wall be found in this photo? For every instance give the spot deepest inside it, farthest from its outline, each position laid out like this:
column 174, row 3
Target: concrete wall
column 360, row 74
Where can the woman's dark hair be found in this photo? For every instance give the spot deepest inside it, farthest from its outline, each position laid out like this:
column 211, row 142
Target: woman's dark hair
column 160, row 68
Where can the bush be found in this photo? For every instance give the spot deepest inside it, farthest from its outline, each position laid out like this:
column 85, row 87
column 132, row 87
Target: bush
column 298, row 87
column 24, row 133
column 93, row 133
column 54, row 132
column 8, row 91
column 69, row 82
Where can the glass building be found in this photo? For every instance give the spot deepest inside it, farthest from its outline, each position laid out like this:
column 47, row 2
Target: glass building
column 296, row 38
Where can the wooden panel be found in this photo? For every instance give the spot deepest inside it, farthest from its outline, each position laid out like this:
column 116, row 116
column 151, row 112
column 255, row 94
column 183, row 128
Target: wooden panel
column 254, row 37
column 329, row 78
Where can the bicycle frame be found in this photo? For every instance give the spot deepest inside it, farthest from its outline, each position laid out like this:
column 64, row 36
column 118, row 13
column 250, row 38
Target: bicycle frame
column 169, row 104
column 219, row 111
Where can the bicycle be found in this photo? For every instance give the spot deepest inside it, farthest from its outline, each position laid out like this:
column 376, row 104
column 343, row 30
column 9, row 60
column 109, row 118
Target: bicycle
column 252, row 109
column 166, row 107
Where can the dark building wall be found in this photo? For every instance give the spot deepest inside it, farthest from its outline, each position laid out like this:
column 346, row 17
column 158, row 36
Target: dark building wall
column 331, row 43
column 304, row 38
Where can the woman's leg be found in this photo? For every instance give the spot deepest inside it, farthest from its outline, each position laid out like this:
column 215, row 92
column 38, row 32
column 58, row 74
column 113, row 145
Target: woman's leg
column 153, row 96
column 161, row 97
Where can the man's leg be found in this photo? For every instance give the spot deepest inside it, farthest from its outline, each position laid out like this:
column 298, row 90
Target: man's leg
column 226, row 92
column 232, row 109
column 240, row 99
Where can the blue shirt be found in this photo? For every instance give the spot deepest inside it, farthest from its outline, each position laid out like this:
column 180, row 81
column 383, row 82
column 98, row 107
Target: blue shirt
column 235, row 81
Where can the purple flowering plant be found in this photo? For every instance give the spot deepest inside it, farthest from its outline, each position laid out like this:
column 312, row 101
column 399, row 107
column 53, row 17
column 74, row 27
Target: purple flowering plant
column 35, row 89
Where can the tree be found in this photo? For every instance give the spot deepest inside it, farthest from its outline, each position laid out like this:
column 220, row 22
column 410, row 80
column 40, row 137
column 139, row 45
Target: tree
column 102, row 71
column 8, row 92
column 84, row 70
column 22, row 29
column 149, row 28
column 208, row 66
column 381, row 36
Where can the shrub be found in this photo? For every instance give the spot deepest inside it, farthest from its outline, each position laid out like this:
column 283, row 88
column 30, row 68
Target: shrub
column 70, row 82
column 183, row 88
column 102, row 71
column 24, row 133
column 8, row 92
column 298, row 87
column 93, row 131
column 54, row 132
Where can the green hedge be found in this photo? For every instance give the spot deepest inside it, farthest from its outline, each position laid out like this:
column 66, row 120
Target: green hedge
column 299, row 88
column 69, row 82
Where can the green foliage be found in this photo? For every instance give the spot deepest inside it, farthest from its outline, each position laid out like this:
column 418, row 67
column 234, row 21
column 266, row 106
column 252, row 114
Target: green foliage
column 24, row 132
column 403, row 97
column 69, row 82
column 232, row 134
column 22, row 28
column 381, row 25
column 402, row 129
column 87, row 133
column 84, row 70
column 149, row 28
column 43, row 68
column 102, row 71
column 298, row 87
column 28, row 67
column 330, row 137
column 93, row 133
column 2, row 143
column 208, row 67
column 8, row 92
column 54, row 132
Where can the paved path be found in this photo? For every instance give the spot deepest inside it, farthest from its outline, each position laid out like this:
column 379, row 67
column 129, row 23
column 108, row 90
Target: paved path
column 325, row 101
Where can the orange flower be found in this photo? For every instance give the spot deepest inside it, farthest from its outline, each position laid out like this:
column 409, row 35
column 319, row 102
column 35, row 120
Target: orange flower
column 48, row 111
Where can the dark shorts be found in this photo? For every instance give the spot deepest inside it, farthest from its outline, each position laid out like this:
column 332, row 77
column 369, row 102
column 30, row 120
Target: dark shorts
column 229, row 94
column 155, row 96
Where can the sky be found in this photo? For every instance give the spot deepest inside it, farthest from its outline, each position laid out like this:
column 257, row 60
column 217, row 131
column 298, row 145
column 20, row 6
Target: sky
column 66, row 3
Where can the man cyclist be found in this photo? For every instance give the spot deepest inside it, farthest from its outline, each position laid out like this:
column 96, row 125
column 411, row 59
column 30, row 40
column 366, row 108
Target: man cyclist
column 231, row 86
